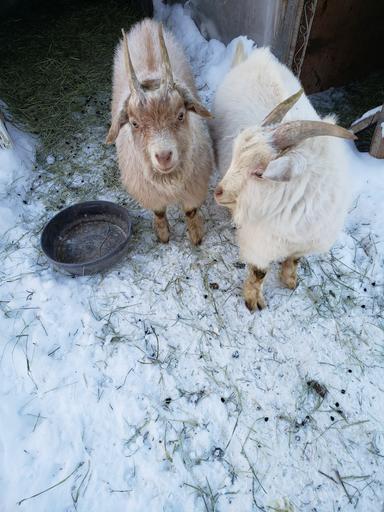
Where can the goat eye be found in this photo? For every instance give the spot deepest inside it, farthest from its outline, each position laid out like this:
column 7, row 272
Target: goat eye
column 134, row 124
column 180, row 117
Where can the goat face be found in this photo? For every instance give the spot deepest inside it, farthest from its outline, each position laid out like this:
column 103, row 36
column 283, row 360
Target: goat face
column 160, row 128
column 252, row 152
column 265, row 153
column 256, row 147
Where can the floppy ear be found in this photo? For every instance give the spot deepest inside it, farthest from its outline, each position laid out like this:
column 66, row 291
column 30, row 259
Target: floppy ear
column 117, row 124
column 191, row 103
column 278, row 177
column 196, row 107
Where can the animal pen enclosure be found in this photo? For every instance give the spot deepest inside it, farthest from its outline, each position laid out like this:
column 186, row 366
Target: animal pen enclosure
column 151, row 387
column 325, row 43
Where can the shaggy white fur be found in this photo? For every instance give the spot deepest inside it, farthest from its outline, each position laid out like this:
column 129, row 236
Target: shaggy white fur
column 285, row 205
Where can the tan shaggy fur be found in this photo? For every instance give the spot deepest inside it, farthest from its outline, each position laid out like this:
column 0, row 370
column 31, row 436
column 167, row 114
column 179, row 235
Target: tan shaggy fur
column 288, row 274
column 253, row 289
column 163, row 146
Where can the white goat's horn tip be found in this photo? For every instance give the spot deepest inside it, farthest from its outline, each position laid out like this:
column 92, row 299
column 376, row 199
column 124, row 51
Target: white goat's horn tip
column 277, row 114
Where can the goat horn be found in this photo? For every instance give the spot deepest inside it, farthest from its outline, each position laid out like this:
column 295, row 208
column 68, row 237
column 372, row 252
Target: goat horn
column 134, row 83
column 167, row 76
column 289, row 134
column 277, row 114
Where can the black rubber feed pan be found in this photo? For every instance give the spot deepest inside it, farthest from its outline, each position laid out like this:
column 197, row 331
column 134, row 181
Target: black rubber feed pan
column 87, row 237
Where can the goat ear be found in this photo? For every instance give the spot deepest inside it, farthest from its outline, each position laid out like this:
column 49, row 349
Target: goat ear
column 191, row 103
column 113, row 133
column 116, row 125
column 196, row 107
column 277, row 171
column 278, row 178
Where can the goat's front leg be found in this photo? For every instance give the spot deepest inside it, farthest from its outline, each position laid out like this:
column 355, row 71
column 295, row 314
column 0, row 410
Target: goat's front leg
column 195, row 225
column 160, row 223
column 253, row 288
column 288, row 274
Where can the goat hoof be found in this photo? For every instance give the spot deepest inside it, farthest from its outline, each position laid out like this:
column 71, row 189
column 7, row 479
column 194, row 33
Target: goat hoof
column 290, row 282
column 163, row 235
column 161, row 228
column 288, row 273
column 196, row 238
column 289, row 279
column 164, row 239
column 195, row 228
column 255, row 303
column 250, row 305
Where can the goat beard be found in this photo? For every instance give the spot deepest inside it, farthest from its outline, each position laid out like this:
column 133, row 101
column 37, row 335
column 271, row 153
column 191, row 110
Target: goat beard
column 165, row 178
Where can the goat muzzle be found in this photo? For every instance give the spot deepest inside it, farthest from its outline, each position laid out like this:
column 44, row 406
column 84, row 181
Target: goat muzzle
column 219, row 191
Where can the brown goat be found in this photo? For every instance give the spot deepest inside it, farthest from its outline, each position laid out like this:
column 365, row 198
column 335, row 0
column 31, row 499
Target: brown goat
column 163, row 146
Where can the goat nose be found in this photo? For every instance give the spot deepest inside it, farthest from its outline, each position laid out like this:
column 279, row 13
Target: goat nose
column 219, row 191
column 164, row 158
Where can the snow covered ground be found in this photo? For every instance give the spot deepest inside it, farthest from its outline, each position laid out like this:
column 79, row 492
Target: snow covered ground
column 153, row 388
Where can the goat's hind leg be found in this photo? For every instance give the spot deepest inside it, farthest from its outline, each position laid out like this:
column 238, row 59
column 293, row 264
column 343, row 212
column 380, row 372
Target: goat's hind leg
column 288, row 274
column 160, row 223
column 253, row 288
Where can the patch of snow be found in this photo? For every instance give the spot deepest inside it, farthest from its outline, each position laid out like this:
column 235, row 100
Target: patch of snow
column 368, row 181
column 210, row 60
column 368, row 114
column 16, row 163
column 152, row 387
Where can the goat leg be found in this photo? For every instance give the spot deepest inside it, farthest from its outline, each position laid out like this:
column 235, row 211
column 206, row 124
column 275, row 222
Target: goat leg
column 288, row 274
column 253, row 288
column 160, row 223
column 195, row 226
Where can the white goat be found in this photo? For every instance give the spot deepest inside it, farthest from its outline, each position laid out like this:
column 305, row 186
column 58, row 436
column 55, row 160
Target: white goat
column 286, row 187
column 164, row 149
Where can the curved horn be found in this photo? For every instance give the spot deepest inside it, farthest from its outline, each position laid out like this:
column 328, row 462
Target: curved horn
column 167, row 76
column 277, row 114
column 289, row 134
column 134, row 83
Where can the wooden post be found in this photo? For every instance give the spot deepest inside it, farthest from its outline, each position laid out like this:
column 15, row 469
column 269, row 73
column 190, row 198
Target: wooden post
column 377, row 144
column 5, row 139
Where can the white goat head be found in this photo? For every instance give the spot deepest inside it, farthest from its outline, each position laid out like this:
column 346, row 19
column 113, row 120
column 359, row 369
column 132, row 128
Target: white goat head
column 157, row 111
column 257, row 147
